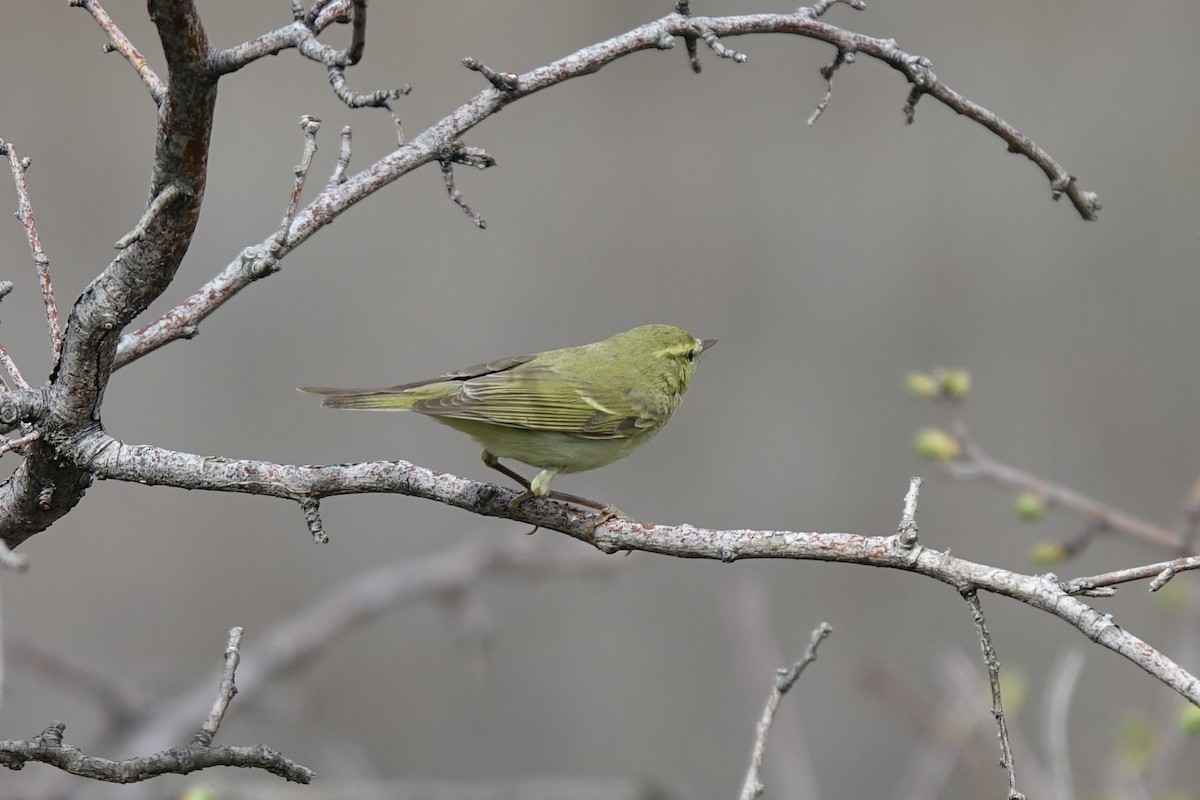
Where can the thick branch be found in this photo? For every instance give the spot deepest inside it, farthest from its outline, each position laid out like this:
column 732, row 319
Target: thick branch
column 44, row 488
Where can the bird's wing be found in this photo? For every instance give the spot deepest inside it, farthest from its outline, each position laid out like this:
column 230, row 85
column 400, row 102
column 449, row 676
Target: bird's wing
column 536, row 397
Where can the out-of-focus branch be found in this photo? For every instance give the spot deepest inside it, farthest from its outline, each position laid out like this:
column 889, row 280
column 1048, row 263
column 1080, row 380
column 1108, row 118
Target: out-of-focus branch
column 961, row 457
column 786, row 678
column 316, row 628
column 49, row 748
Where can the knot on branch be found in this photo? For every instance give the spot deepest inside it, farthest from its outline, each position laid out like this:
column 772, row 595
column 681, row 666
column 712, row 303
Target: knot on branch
column 21, row 405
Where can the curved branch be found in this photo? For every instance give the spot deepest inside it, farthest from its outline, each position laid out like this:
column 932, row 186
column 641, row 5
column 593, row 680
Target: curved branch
column 254, row 262
column 156, row 466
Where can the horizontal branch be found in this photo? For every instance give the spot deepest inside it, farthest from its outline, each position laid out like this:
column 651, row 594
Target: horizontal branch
column 48, row 748
column 108, row 458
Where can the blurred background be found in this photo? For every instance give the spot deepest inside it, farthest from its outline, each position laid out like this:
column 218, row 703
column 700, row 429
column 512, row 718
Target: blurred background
column 829, row 261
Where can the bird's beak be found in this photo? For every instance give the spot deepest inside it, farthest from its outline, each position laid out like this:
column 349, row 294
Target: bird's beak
column 706, row 343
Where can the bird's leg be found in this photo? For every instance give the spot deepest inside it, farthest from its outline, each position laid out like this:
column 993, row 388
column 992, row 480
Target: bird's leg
column 540, row 487
column 493, row 462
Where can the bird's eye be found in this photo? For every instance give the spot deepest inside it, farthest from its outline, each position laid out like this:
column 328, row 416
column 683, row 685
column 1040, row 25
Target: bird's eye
column 691, row 355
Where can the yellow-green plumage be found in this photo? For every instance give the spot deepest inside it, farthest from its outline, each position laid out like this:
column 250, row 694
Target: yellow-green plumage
column 566, row 410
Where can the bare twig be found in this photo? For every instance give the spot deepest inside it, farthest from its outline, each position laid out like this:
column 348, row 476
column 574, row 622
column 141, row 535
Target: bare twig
column 41, row 262
column 502, row 81
column 343, row 163
column 121, row 44
column 993, row 668
column 10, row 367
column 171, row 193
column 312, row 518
column 310, row 125
column 9, row 445
column 827, row 71
column 907, row 530
column 940, row 724
column 459, row 153
column 757, row 649
column 785, row 678
column 208, row 731
column 684, row 9
column 49, row 748
column 1161, row 572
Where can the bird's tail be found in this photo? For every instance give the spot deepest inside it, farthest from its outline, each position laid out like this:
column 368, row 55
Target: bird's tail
column 387, row 399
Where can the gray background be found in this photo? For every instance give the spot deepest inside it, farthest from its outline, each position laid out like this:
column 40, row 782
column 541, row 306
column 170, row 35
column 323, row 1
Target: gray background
column 828, row 260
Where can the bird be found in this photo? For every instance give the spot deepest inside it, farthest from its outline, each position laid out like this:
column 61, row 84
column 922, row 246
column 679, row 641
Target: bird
column 560, row 411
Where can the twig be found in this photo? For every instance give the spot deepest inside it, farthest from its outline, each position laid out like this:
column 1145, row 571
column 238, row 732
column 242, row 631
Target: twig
column 785, row 678
column 338, row 175
column 1161, row 572
column 907, row 530
column 312, row 518
column 993, row 668
column 49, row 748
column 310, row 125
column 973, row 464
column 757, row 649
column 684, row 9
column 10, row 367
column 457, row 152
column 9, row 445
column 41, row 262
column 827, row 71
column 380, row 98
column 502, row 81
column 939, row 723
column 208, row 731
column 170, row 194
column 121, row 44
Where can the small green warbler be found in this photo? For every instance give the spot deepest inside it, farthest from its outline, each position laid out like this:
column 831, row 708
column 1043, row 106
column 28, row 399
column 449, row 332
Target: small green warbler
column 561, row 411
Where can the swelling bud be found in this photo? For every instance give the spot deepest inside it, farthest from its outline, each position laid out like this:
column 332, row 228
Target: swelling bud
column 936, row 445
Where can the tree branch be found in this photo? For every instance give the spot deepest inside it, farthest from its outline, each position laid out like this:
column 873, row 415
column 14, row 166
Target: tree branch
column 156, row 466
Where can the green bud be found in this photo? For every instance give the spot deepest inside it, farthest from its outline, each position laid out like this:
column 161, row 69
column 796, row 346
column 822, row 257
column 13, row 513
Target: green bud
column 936, row 445
column 198, row 791
column 922, row 384
column 956, row 383
column 1047, row 553
column 1189, row 720
column 1030, row 506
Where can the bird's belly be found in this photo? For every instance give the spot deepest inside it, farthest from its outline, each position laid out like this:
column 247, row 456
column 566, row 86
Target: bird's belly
column 543, row 449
